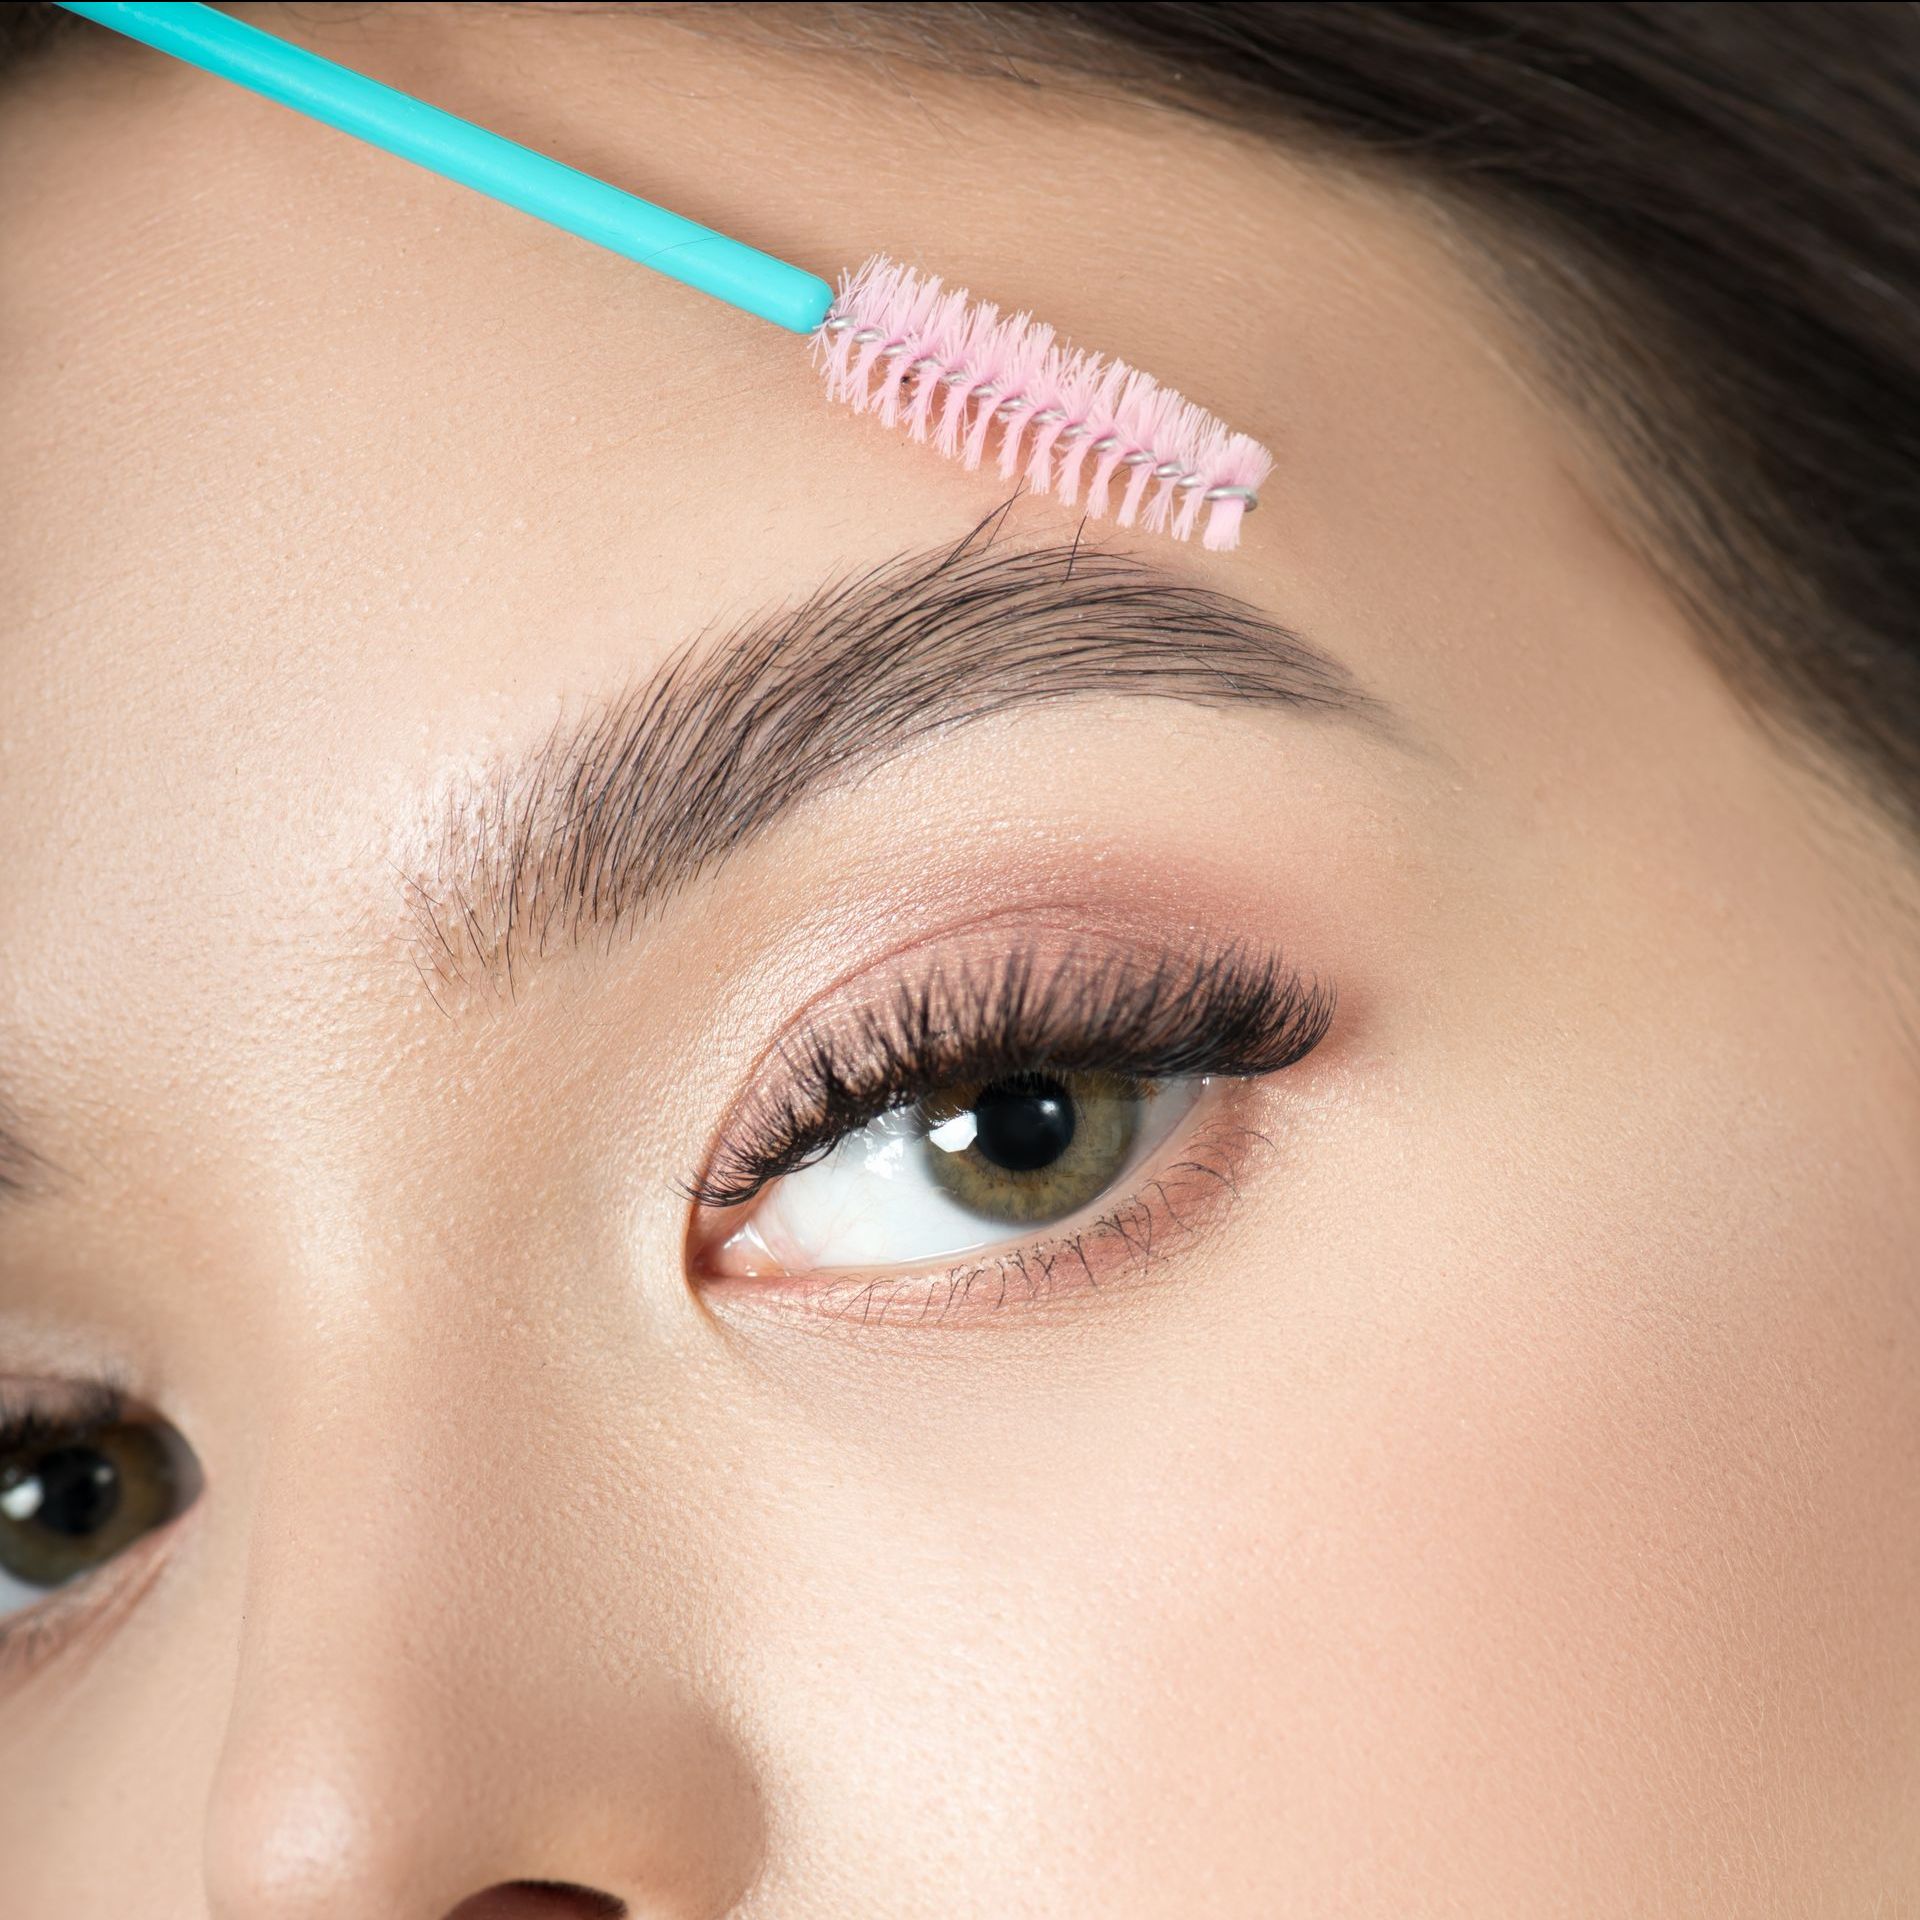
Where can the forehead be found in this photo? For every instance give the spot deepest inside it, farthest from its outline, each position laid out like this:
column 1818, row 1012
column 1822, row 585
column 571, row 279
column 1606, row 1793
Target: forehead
column 389, row 373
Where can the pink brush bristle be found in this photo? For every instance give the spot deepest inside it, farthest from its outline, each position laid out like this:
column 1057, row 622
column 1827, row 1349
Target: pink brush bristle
column 897, row 343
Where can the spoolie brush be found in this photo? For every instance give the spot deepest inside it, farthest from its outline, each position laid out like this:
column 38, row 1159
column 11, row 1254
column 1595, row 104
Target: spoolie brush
column 896, row 342
column 893, row 341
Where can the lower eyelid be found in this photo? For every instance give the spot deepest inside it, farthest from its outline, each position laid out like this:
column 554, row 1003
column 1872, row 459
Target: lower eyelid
column 73, row 1619
column 1174, row 1200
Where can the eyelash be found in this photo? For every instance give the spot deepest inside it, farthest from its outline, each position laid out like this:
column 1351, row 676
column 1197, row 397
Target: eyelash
column 1231, row 1013
column 86, row 1408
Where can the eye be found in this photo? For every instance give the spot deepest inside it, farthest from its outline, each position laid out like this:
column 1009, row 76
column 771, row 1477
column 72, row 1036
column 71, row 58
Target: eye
column 974, row 1165
column 71, row 1501
column 1014, row 1100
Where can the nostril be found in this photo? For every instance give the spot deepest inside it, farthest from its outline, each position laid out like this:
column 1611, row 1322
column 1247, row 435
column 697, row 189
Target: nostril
column 540, row 1900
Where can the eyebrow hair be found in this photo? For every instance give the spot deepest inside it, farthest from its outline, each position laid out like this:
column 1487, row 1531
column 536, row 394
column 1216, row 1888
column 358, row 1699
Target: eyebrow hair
column 24, row 1172
column 617, row 811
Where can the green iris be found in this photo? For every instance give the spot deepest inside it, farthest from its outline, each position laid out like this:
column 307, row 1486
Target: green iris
column 1032, row 1147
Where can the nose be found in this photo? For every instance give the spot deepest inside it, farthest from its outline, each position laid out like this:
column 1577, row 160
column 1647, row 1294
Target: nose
column 465, row 1687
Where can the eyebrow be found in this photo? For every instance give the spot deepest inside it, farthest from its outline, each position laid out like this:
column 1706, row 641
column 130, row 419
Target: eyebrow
column 618, row 810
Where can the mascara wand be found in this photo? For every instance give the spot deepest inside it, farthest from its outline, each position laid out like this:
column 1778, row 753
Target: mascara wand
column 891, row 340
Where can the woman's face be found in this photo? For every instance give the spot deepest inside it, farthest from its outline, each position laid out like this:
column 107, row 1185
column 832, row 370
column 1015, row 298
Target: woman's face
column 1468, row 1469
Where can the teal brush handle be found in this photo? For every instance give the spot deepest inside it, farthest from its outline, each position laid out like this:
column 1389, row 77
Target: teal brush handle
column 502, row 169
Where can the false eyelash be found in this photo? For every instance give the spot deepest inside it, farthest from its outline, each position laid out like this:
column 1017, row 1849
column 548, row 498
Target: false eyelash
column 1231, row 1013
column 87, row 1407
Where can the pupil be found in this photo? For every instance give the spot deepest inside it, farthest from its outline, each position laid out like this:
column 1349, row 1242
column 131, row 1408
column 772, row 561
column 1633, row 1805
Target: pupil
column 79, row 1491
column 1023, row 1124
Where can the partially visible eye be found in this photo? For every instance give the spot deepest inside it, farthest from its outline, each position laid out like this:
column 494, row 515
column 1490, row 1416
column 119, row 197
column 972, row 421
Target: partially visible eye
column 972, row 1166
column 72, row 1500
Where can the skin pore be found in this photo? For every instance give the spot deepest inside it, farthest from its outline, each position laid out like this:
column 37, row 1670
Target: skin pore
column 1501, row 1498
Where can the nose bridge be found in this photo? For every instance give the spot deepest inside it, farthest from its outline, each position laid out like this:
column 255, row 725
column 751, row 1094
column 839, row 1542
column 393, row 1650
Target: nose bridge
column 465, row 1661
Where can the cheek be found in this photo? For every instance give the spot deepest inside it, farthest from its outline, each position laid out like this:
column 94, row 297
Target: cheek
column 1580, row 1557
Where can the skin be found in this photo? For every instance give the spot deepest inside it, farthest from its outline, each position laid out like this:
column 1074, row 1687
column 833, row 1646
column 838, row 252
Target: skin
column 1508, row 1505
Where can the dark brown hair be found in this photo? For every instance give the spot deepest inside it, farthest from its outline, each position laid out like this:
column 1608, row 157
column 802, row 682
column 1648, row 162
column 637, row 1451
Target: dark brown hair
column 1710, row 211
